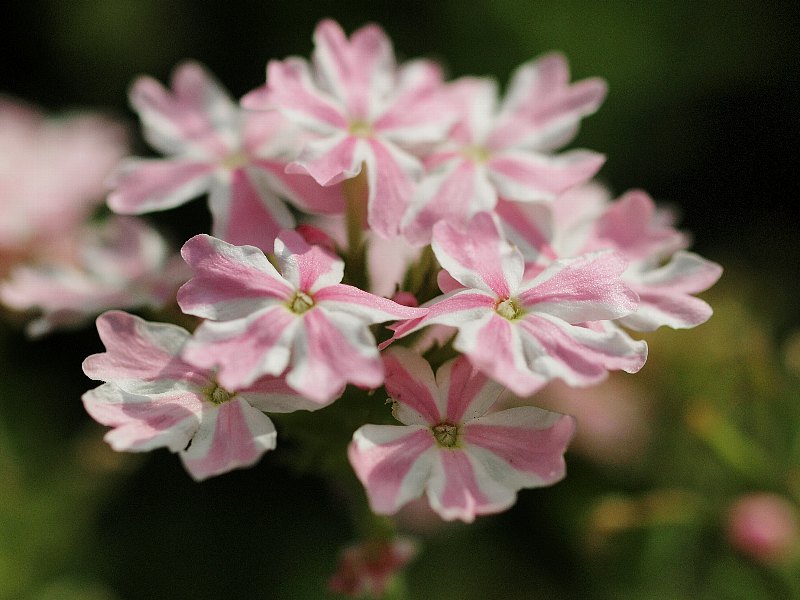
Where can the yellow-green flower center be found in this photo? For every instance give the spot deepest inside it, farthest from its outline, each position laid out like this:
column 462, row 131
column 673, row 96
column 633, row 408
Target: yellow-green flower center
column 479, row 154
column 446, row 435
column 360, row 129
column 300, row 303
column 236, row 160
column 218, row 395
column 508, row 309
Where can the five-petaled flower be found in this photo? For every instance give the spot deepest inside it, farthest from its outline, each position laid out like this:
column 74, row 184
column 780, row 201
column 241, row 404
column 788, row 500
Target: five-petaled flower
column 524, row 333
column 470, row 460
column 303, row 318
column 360, row 108
column 214, row 147
column 152, row 398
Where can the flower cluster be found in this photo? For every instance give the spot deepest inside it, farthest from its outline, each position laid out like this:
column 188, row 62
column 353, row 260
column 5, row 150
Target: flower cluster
column 507, row 269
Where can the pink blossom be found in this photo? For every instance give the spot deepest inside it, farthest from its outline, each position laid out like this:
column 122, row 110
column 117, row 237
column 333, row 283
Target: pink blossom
column 470, row 461
column 660, row 271
column 264, row 321
column 120, row 263
column 361, row 109
column 765, row 527
column 52, row 174
column 214, row 147
column 506, row 151
column 366, row 568
column 152, row 398
column 524, row 333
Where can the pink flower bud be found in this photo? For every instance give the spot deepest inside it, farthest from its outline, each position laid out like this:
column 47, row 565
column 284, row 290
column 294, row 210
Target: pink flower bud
column 764, row 527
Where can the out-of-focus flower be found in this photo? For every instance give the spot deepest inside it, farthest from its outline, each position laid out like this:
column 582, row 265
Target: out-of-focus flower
column 214, row 147
column 764, row 526
column 525, row 333
column 303, row 318
column 119, row 263
column 360, row 109
column 366, row 568
column 506, row 152
column 52, row 174
column 152, row 399
column 469, row 460
column 614, row 421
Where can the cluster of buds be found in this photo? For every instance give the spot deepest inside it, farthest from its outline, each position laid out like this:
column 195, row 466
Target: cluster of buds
column 351, row 191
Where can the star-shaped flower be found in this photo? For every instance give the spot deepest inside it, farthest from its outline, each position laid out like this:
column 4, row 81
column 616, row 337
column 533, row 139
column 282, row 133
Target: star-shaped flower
column 152, row 398
column 469, row 460
column 214, row 147
column 263, row 321
column 524, row 333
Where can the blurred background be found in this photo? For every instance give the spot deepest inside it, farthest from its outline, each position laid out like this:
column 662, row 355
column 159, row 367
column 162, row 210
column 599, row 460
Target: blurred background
column 703, row 112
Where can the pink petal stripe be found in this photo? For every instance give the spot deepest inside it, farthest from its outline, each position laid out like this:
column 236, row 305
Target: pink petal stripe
column 357, row 70
column 387, row 468
column 460, row 495
column 293, row 91
column 465, row 390
column 580, row 355
column 239, row 437
column 586, row 288
column 410, row 382
column 633, row 226
column 479, row 257
column 531, row 228
column 140, row 350
column 331, row 350
column 537, row 451
column 142, row 186
column 330, row 160
column 450, row 309
column 246, row 349
column 141, row 423
column 497, row 350
column 307, row 268
column 302, row 191
column 391, row 173
column 224, row 272
column 246, row 212
column 369, row 307
column 188, row 120
column 526, row 177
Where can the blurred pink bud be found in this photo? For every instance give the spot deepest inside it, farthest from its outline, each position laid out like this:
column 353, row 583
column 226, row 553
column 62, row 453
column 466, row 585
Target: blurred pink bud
column 365, row 568
column 314, row 236
column 406, row 299
column 763, row 526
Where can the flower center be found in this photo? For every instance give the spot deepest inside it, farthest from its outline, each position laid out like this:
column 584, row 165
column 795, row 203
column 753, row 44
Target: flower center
column 446, row 435
column 218, row 395
column 479, row 154
column 508, row 309
column 236, row 160
column 360, row 129
column 301, row 302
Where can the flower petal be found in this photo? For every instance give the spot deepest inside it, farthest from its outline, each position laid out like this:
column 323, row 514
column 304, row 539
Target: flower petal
column 412, row 388
column 393, row 463
column 232, row 436
column 144, row 185
column 230, row 281
column 307, row 268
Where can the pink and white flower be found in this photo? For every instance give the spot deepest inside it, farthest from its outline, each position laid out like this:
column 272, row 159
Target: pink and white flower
column 152, row 398
column 506, row 151
column 524, row 333
column 660, row 271
column 362, row 110
column 214, row 147
column 120, row 263
column 52, row 173
column 469, row 460
column 302, row 318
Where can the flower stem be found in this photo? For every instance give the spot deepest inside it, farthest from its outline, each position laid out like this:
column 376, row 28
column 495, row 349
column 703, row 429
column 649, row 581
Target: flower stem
column 356, row 192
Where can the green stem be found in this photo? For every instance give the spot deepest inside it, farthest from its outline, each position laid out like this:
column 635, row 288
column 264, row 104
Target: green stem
column 356, row 192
